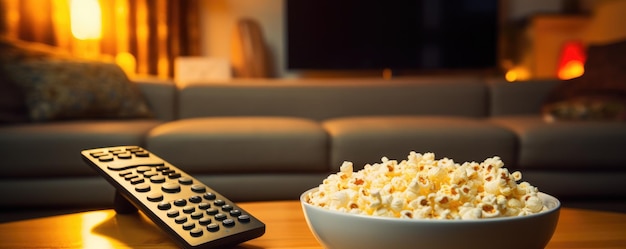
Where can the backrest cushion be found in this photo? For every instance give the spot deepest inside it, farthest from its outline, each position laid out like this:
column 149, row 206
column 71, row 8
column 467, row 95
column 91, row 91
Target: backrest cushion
column 321, row 99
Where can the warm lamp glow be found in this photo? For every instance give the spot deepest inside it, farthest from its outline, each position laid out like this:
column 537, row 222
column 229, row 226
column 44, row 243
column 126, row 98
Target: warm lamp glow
column 572, row 60
column 572, row 69
column 90, row 238
column 127, row 62
column 86, row 19
column 387, row 73
column 517, row 74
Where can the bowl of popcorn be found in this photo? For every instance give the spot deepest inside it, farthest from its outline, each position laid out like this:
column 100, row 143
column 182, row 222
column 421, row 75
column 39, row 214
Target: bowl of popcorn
column 422, row 202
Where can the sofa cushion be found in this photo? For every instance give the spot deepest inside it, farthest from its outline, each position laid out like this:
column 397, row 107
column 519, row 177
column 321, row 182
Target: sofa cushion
column 567, row 145
column 241, row 144
column 321, row 99
column 364, row 140
column 53, row 149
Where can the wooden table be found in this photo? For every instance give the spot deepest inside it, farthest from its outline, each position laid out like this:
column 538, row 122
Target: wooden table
column 286, row 228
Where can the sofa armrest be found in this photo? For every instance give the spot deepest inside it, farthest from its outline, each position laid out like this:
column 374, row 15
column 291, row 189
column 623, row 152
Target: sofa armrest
column 160, row 95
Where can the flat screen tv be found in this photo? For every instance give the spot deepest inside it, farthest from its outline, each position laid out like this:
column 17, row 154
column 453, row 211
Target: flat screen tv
column 395, row 34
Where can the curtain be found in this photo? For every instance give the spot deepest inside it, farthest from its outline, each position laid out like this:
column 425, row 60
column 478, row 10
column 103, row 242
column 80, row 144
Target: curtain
column 154, row 32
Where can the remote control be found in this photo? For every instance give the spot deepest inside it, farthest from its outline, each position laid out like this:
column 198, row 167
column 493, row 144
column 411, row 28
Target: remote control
column 193, row 214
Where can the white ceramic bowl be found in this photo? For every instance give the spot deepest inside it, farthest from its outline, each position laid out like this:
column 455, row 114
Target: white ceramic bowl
column 337, row 230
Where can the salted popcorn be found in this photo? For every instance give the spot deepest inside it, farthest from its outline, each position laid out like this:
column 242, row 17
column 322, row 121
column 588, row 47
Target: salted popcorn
column 424, row 188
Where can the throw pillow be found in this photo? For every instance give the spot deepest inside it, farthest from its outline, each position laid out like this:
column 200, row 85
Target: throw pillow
column 57, row 89
column 599, row 94
column 12, row 107
column 53, row 85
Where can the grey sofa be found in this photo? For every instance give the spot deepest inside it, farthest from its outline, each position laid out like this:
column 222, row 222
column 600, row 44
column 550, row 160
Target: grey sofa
column 273, row 139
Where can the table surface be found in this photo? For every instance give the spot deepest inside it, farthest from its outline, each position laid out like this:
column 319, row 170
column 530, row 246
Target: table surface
column 286, row 228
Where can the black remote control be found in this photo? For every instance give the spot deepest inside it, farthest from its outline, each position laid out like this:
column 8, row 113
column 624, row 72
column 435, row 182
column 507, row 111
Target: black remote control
column 193, row 214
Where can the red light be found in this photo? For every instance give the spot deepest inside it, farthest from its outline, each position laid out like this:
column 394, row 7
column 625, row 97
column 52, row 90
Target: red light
column 572, row 60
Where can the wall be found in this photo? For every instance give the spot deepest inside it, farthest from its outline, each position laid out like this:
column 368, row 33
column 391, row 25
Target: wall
column 220, row 16
column 605, row 23
column 608, row 22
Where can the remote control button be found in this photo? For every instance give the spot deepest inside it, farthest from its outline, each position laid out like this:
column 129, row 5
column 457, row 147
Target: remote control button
column 204, row 206
column 167, row 172
column 142, row 188
column 213, row 227
column 173, row 175
column 162, row 167
column 133, row 149
column 180, row 202
column 180, row 219
column 211, row 211
column 228, row 222
column 209, row 196
column 157, row 179
column 164, row 205
column 243, row 218
column 106, row 158
column 188, row 209
column 196, row 232
column 116, row 151
column 198, row 188
column 154, row 197
column 227, row 207
column 170, row 187
column 119, row 151
column 219, row 202
column 150, row 173
column 185, row 180
column 204, row 221
column 142, row 169
column 125, row 155
column 126, row 172
column 189, row 225
column 172, row 213
column 195, row 199
column 142, row 154
column 235, row 213
column 197, row 215
column 99, row 154
column 131, row 176
column 137, row 180
column 220, row 216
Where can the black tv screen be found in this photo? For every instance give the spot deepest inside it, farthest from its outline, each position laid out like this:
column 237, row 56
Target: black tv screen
column 407, row 35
